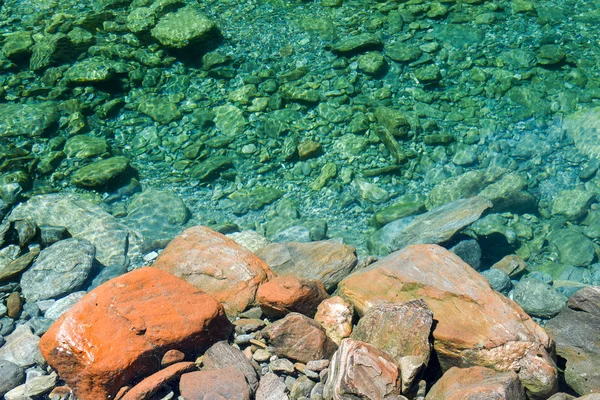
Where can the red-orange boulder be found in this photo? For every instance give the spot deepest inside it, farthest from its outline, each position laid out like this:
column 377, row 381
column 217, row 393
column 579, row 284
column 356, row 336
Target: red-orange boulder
column 286, row 294
column 118, row 333
column 475, row 325
column 217, row 265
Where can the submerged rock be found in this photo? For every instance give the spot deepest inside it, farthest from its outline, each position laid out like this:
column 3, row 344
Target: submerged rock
column 101, row 173
column 183, row 27
column 27, row 120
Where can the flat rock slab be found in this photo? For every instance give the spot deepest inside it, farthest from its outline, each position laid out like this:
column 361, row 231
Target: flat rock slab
column 326, row 260
column 119, row 332
column 476, row 383
column 435, row 226
column 58, row 270
column 146, row 388
column 475, row 324
column 114, row 242
column 216, row 264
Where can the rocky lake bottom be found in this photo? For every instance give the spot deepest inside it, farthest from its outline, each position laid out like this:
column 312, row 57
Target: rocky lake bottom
column 334, row 129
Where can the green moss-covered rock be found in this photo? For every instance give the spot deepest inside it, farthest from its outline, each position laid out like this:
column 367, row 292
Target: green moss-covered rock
column 100, row 173
column 141, row 19
column 33, row 119
column 428, row 74
column 90, row 71
column 573, row 247
column 83, row 146
column 17, row 45
column 329, row 171
column 402, row 52
column 229, row 119
column 350, row 145
column 51, row 49
column 159, row 109
column 406, row 205
column 538, row 298
column 300, row 94
column 394, row 121
column 371, row 63
column 372, row 192
column 509, row 193
column 466, row 185
column 572, row 204
column 361, row 42
column 183, row 27
column 254, row 199
column 551, row 54
column 210, row 168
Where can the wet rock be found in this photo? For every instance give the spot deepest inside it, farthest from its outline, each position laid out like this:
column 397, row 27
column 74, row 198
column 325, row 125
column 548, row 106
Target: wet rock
column 183, row 27
column 401, row 52
column 141, row 315
column 17, row 46
column 271, row 388
column 361, row 370
column 357, row 43
column 435, row 226
column 157, row 216
column 499, row 281
column 402, row 331
column 299, row 338
column 21, row 347
column 509, row 194
column 328, row 171
column 50, row 50
column 335, row 316
column 512, row 265
column 476, row 382
column 160, row 109
column 469, row 251
column 404, row 206
column 573, row 247
column 538, row 298
column 12, row 376
column 254, row 199
column 583, row 126
column 326, row 261
column 90, row 71
column 152, row 384
column 215, row 264
column 572, row 204
column 497, row 333
column 27, row 120
column 285, row 294
column 38, row 385
column 14, row 305
column 394, row 121
column 83, row 146
column 228, row 383
column 101, row 173
column 574, row 330
column 229, row 119
column 301, row 387
column 372, row 63
column 210, row 168
column 58, row 270
column 221, row 356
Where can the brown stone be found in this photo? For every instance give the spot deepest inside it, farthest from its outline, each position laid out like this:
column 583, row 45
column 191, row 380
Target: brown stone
column 476, row 383
column 327, row 261
column 118, row 332
column 586, row 299
column 402, row 331
column 299, row 338
column 286, row 294
column 215, row 264
column 475, row 325
column 228, row 383
column 150, row 385
column 512, row 265
column 335, row 316
column 221, row 355
column 359, row 370
column 171, row 357
column 14, row 305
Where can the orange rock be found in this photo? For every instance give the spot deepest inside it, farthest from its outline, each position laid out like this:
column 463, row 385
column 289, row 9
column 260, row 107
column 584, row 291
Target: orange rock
column 475, row 324
column 476, row 383
column 171, row 357
column 335, row 316
column 217, row 265
column 512, row 265
column 286, row 294
column 118, row 332
column 146, row 388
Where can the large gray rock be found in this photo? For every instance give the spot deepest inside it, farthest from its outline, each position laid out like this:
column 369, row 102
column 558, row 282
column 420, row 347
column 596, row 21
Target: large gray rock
column 157, row 216
column 114, row 242
column 58, row 270
column 433, row 227
column 21, row 347
column 538, row 298
column 12, row 376
column 327, row 261
column 575, row 331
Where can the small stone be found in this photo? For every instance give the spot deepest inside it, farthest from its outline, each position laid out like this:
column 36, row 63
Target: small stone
column 499, row 281
column 317, row 365
column 261, row 355
column 371, row 63
column 228, row 383
column 160, row 109
column 512, row 265
column 171, row 357
column 153, row 383
column 328, row 171
column 21, row 347
column 183, row 28
column 221, row 356
column 40, row 384
column 14, row 305
column 83, row 146
column 271, row 388
column 61, row 306
column 357, row 43
column 335, row 316
column 572, row 204
column 282, row 365
column 309, row 149
column 101, row 173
